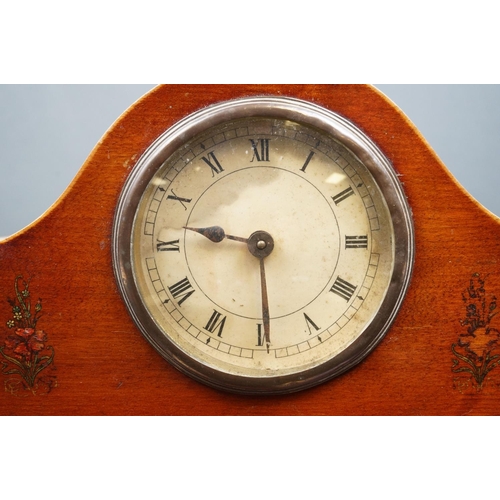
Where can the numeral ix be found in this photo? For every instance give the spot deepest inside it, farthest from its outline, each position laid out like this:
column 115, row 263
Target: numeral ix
column 167, row 246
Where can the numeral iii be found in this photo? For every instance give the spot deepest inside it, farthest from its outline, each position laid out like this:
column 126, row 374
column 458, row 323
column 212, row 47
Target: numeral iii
column 356, row 241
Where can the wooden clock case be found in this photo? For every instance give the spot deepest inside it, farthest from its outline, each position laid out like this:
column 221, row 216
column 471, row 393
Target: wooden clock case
column 69, row 347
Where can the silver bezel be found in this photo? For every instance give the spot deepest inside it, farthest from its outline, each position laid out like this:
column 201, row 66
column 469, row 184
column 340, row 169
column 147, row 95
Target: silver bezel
column 282, row 108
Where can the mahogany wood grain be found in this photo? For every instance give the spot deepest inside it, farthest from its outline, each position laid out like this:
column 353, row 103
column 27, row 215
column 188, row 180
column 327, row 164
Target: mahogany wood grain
column 103, row 365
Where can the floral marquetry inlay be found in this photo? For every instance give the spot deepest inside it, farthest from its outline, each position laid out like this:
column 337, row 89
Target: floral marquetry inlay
column 25, row 351
column 477, row 351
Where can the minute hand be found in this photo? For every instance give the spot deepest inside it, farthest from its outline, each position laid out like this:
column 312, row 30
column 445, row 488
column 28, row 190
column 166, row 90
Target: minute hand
column 265, row 304
column 261, row 244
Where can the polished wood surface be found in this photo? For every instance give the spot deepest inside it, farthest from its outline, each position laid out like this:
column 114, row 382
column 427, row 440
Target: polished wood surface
column 438, row 357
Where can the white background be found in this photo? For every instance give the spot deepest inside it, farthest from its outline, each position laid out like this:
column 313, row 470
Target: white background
column 223, row 42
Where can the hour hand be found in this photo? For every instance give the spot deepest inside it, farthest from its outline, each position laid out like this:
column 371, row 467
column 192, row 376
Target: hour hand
column 215, row 234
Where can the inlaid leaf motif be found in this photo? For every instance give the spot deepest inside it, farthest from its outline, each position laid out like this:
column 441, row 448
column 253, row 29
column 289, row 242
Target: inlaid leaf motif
column 477, row 350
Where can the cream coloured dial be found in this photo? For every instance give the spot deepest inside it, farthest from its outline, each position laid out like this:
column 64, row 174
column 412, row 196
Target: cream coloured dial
column 262, row 312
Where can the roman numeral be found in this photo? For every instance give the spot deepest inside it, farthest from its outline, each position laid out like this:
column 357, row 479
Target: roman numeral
column 215, row 322
column 260, row 335
column 167, row 246
column 343, row 289
column 173, row 196
column 356, row 241
column 343, row 195
column 310, row 323
column 213, row 163
column 308, row 159
column 260, row 149
column 181, row 289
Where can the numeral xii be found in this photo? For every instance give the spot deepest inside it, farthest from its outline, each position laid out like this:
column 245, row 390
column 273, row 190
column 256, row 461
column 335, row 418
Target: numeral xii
column 260, row 149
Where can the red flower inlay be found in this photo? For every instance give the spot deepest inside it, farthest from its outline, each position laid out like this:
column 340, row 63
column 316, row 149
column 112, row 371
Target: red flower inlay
column 26, row 342
column 26, row 333
column 22, row 350
column 25, row 352
column 40, row 335
column 11, row 342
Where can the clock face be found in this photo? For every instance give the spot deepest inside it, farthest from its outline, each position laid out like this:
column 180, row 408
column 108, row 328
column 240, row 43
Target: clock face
column 255, row 247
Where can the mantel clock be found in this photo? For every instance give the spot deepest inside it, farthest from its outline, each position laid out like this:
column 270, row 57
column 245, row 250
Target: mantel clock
column 255, row 250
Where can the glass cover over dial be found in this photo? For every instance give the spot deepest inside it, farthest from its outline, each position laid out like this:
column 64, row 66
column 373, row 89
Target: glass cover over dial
column 263, row 245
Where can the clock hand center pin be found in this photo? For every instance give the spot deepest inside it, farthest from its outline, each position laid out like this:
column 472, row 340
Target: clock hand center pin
column 260, row 244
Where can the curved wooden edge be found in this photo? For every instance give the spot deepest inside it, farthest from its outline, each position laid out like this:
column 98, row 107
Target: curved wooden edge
column 80, row 172
column 145, row 97
column 438, row 160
